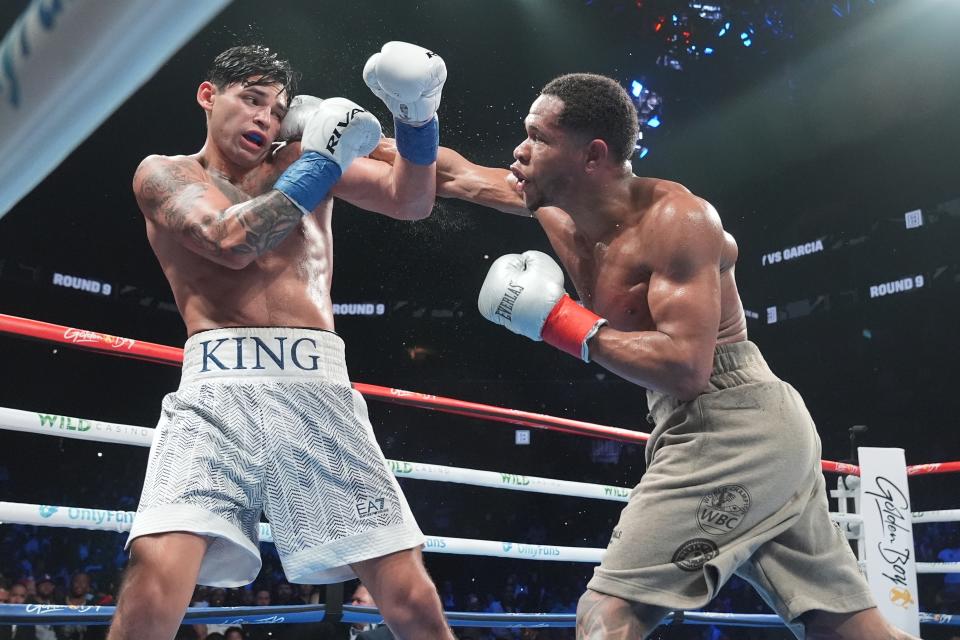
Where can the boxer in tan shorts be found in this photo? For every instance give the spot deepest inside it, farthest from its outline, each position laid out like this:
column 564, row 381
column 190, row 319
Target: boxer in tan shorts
column 733, row 484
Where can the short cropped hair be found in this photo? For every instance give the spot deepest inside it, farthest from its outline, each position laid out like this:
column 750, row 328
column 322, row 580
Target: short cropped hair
column 252, row 65
column 597, row 106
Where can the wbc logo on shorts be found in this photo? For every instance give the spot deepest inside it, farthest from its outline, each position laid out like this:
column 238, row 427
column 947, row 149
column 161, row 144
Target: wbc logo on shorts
column 723, row 509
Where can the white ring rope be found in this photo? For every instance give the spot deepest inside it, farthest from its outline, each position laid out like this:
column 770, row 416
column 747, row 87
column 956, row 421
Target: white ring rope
column 49, row 424
column 68, row 65
column 944, row 515
column 120, row 521
column 96, row 431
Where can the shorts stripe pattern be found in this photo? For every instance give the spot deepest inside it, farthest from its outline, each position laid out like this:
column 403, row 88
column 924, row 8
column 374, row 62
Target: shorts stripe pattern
column 297, row 444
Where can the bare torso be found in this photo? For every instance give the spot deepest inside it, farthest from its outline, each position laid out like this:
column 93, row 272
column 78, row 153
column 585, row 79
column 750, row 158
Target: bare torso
column 288, row 286
column 612, row 277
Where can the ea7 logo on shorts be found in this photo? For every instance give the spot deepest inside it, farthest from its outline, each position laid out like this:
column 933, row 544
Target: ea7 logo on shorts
column 723, row 509
column 370, row 507
column 693, row 554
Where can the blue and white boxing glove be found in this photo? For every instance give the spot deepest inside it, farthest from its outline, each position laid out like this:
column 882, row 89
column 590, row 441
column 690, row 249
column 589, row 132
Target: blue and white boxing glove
column 409, row 79
column 334, row 135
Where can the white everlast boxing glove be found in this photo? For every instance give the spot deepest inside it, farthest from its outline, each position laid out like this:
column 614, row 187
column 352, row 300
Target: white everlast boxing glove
column 409, row 79
column 298, row 113
column 335, row 134
column 524, row 293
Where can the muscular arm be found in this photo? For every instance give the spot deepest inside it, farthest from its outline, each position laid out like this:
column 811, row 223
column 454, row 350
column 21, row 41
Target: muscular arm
column 176, row 195
column 459, row 178
column 684, row 300
column 397, row 189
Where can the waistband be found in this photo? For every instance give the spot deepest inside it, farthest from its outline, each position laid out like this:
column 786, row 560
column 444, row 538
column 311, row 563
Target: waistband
column 734, row 364
column 267, row 353
column 738, row 363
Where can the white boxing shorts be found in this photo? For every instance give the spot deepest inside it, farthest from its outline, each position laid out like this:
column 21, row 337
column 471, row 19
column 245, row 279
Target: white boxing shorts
column 265, row 419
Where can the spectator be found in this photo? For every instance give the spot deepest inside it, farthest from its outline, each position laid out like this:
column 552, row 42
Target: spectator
column 217, row 597
column 308, row 594
column 234, row 633
column 18, row 595
column 46, row 590
column 81, row 595
column 283, row 594
column 46, row 594
column 360, row 631
column 80, row 591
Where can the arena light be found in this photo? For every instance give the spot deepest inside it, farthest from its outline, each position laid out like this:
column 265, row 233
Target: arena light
column 636, row 89
column 653, row 122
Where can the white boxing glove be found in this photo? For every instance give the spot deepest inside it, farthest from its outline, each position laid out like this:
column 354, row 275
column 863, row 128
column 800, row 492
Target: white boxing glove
column 341, row 130
column 409, row 79
column 524, row 293
column 298, row 113
column 335, row 134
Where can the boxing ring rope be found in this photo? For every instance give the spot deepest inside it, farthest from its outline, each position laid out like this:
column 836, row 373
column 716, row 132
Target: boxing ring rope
column 115, row 520
column 97, row 52
column 162, row 354
column 32, row 614
column 113, row 433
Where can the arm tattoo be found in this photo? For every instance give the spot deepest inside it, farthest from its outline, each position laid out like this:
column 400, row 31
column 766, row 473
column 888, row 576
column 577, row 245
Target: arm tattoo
column 267, row 220
column 162, row 193
column 170, row 192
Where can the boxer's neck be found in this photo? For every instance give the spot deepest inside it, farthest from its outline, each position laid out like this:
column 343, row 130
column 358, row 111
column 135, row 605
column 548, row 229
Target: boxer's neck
column 214, row 161
column 602, row 208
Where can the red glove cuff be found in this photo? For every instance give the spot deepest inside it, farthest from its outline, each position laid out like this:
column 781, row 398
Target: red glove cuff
column 569, row 326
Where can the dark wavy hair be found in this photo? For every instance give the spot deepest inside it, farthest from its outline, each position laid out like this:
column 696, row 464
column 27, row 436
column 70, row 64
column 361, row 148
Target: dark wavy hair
column 252, row 65
column 598, row 107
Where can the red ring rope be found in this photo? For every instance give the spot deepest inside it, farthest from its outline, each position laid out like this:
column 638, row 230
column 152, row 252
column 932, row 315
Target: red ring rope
column 163, row 354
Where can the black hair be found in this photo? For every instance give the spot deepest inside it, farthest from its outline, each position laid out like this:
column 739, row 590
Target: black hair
column 252, row 65
column 597, row 106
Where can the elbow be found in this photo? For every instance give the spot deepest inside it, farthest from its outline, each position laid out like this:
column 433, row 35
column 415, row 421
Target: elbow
column 413, row 211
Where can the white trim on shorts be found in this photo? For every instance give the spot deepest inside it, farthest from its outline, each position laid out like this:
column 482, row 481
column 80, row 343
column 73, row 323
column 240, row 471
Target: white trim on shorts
column 187, row 518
